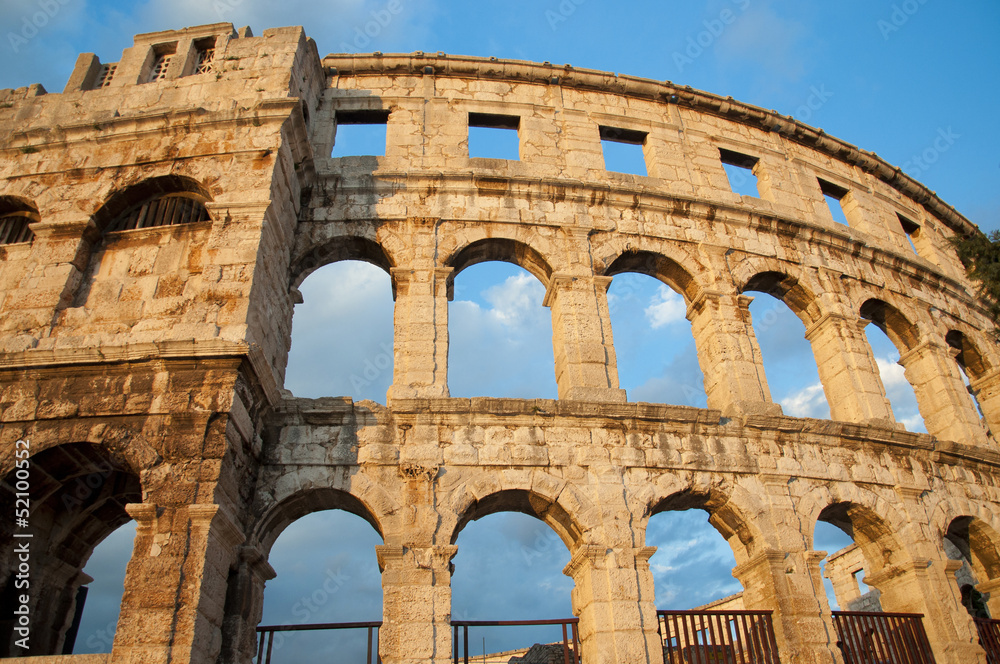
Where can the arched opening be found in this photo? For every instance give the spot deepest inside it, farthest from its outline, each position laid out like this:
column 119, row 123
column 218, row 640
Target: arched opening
column 789, row 362
column 321, row 546
column 326, row 572
column 342, row 333
column 975, row 544
column 16, row 214
column 168, row 200
column 76, row 497
column 862, row 548
column 106, row 567
column 891, row 335
column 500, row 333
column 173, row 202
column 693, row 564
column 509, row 566
column 970, row 361
column 654, row 345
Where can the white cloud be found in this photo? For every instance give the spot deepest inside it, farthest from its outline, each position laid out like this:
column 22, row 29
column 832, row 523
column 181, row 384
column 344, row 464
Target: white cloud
column 666, row 308
column 810, row 401
column 342, row 334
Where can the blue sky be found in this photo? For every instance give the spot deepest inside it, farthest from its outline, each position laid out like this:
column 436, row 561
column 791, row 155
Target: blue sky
column 888, row 76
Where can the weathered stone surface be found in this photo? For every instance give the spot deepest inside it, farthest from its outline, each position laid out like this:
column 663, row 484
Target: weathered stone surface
column 146, row 366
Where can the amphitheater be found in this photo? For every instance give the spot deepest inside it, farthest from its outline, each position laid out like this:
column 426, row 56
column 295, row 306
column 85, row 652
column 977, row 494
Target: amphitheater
column 160, row 213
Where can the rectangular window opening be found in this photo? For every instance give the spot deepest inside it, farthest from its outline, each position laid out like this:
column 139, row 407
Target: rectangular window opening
column 360, row 133
column 739, row 170
column 163, row 54
column 494, row 136
column 623, row 151
column 834, row 199
column 106, row 75
column 204, row 63
column 911, row 229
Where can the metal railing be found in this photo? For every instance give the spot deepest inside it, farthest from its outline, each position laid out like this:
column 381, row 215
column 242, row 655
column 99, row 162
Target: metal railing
column 717, row 637
column 570, row 640
column 265, row 640
column 989, row 638
column 874, row 638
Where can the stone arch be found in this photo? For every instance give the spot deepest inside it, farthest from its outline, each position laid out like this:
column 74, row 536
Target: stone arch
column 339, row 248
column 974, row 529
column 816, row 506
column 729, row 510
column 559, row 505
column 665, row 262
column 299, row 492
column 979, row 543
column 77, row 493
column 122, row 200
column 967, row 354
column 900, row 330
column 507, row 250
column 16, row 215
column 298, row 505
column 789, row 289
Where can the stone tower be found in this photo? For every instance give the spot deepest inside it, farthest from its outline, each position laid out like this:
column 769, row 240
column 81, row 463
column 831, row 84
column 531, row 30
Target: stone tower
column 158, row 216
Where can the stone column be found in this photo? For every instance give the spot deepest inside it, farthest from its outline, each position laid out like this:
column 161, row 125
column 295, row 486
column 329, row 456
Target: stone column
column 584, row 352
column 944, row 401
column 175, row 584
column 416, row 604
column 420, row 321
column 244, row 606
column 729, row 355
column 613, row 597
column 789, row 584
column 927, row 587
column 848, row 372
column 991, row 588
column 986, row 388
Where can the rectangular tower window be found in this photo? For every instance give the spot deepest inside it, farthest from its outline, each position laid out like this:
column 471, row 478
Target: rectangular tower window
column 107, row 73
column 360, row 133
column 622, row 150
column 205, row 51
column 494, row 136
column 911, row 229
column 163, row 54
column 739, row 170
column 834, row 196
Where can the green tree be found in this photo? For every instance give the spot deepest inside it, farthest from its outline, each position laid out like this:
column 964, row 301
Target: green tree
column 980, row 254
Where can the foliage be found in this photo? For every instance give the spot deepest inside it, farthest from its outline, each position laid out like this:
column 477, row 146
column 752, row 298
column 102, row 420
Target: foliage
column 980, row 254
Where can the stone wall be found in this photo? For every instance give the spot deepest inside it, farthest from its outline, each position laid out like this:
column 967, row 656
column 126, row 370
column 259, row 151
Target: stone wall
column 150, row 362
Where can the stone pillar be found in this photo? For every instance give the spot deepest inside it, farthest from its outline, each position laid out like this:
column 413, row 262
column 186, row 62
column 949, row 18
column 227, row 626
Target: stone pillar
column 991, row 588
column 613, row 597
column 175, row 584
column 789, row 584
column 420, row 346
column 848, row 371
column 944, row 401
column 986, row 389
column 584, row 352
column 928, row 587
column 244, row 606
column 729, row 355
column 416, row 604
